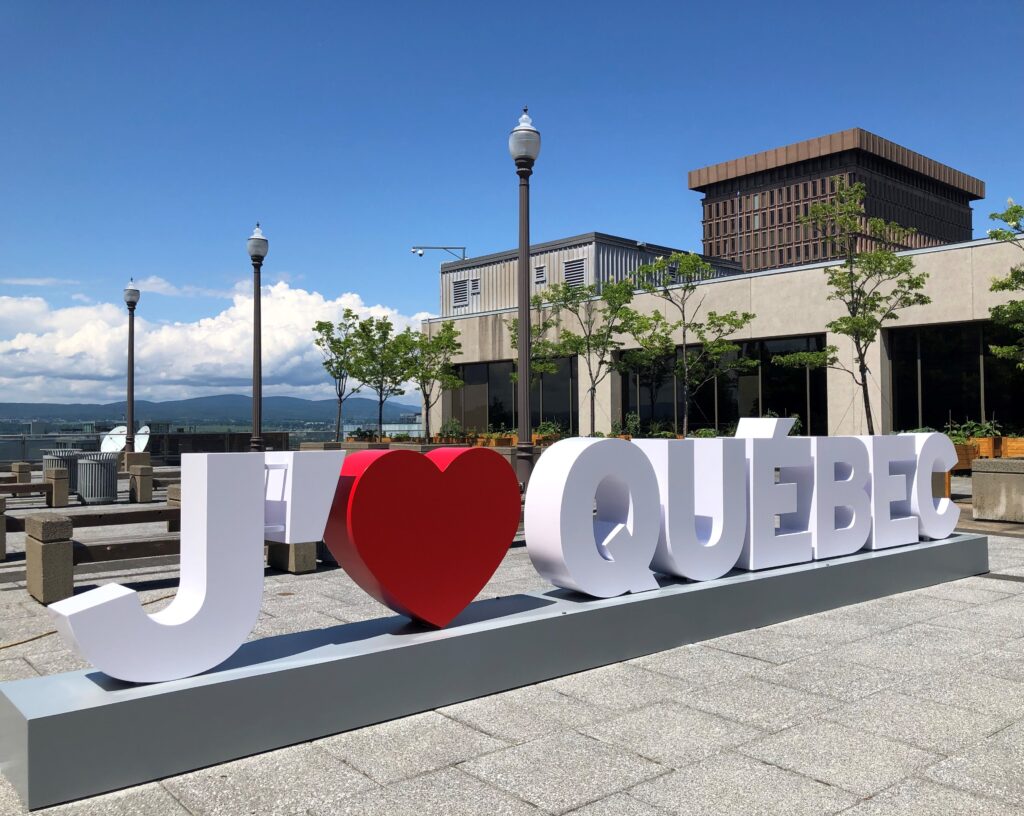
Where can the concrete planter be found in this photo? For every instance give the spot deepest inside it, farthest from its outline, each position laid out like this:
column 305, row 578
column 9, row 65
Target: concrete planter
column 997, row 486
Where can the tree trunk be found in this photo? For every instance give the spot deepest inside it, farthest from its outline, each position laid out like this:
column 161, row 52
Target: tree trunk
column 380, row 419
column 426, row 420
column 686, row 410
column 593, row 409
column 337, row 423
column 867, row 397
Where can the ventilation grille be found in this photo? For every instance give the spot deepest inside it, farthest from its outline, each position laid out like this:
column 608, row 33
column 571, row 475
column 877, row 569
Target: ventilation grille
column 460, row 293
column 474, row 286
column 540, row 275
column 576, row 272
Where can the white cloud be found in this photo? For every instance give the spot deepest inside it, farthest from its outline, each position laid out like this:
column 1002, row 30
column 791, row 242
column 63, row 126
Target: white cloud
column 38, row 281
column 78, row 353
column 161, row 286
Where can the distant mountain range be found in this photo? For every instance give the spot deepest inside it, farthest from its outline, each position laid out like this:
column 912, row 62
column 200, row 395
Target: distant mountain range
column 222, row 409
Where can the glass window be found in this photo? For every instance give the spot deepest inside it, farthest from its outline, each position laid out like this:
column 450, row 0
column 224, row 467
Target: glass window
column 474, row 397
column 501, row 396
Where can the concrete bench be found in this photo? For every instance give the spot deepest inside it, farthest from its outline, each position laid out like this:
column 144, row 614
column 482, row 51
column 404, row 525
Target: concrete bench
column 54, row 488
column 103, row 515
column 997, row 489
column 51, row 554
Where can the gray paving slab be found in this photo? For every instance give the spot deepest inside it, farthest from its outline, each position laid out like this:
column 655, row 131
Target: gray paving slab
column 921, row 797
column 768, row 644
column 622, row 686
column 935, row 727
column 700, row 665
column 917, row 648
column 760, row 704
column 990, row 768
column 984, row 693
column 562, row 772
column 856, row 761
column 671, row 734
column 409, row 746
column 826, row 675
column 450, row 792
column 620, row 804
column 16, row 669
column 286, row 782
column 526, row 713
column 144, row 800
column 731, row 785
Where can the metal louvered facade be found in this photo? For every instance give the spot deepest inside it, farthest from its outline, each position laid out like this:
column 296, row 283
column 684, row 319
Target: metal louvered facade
column 582, row 260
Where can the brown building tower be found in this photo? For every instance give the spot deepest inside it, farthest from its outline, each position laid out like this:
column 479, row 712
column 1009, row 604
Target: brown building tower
column 752, row 205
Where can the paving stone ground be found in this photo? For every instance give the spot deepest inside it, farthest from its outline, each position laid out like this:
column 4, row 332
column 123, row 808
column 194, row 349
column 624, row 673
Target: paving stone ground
column 912, row 704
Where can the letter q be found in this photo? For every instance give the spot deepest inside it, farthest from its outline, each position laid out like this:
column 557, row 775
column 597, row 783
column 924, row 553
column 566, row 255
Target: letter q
column 606, row 554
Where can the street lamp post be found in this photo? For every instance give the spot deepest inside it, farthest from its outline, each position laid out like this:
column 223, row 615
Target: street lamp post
column 524, row 145
column 131, row 300
column 257, row 246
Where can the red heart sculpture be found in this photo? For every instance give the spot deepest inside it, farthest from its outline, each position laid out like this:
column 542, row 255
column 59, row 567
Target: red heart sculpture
column 423, row 534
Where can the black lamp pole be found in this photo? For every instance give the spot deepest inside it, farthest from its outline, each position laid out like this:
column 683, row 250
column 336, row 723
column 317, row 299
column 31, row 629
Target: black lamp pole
column 131, row 300
column 524, row 145
column 257, row 247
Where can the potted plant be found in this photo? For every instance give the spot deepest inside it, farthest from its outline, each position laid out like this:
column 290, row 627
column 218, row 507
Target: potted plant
column 1013, row 446
column 618, row 432
column 451, row 432
column 547, row 431
column 705, row 433
column 966, row 452
column 987, row 436
column 633, row 427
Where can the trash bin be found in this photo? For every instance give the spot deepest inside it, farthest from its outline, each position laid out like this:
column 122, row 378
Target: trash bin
column 97, row 478
column 64, row 458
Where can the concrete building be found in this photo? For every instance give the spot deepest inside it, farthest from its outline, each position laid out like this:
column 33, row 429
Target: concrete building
column 488, row 283
column 930, row 366
column 752, row 205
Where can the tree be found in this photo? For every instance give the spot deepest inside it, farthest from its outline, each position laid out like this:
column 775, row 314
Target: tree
column 381, row 360
column 431, row 366
column 543, row 350
column 334, row 343
column 707, row 352
column 1010, row 315
column 653, row 358
column 600, row 317
column 872, row 284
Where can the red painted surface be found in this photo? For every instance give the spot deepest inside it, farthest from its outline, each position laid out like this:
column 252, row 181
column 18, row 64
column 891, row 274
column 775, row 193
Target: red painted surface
column 423, row 533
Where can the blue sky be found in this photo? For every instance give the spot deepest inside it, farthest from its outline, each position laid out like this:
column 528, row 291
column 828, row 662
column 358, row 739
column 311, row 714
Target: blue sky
column 145, row 139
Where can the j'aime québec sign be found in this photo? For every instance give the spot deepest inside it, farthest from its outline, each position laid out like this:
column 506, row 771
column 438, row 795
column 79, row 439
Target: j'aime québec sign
column 424, row 533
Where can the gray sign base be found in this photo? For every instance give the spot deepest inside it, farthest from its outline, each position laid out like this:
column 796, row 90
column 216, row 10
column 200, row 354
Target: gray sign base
column 72, row 735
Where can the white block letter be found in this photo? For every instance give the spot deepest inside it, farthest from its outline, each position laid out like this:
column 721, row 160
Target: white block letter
column 300, row 491
column 936, row 517
column 220, row 591
column 603, row 555
column 703, row 518
column 841, row 515
column 893, row 462
column 789, row 499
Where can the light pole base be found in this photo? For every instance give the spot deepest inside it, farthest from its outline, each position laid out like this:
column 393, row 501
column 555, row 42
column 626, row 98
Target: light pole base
column 524, row 464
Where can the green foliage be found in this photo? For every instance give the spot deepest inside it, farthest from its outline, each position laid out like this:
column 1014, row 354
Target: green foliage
column 654, row 358
column 872, row 284
column 616, row 429
column 335, row 344
column 704, row 433
column 543, row 350
column 431, row 365
column 597, row 320
column 381, row 359
column 707, row 350
column 548, row 428
column 961, row 432
column 1010, row 315
column 450, row 429
column 632, row 425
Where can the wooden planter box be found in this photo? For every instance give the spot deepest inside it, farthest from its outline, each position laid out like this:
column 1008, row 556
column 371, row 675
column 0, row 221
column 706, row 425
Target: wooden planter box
column 1013, row 446
column 989, row 447
column 965, row 455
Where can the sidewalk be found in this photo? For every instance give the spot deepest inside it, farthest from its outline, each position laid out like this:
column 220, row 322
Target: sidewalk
column 912, row 704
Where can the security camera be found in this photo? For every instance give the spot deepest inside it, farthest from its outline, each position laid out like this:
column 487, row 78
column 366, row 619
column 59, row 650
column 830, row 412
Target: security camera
column 413, row 250
column 419, row 252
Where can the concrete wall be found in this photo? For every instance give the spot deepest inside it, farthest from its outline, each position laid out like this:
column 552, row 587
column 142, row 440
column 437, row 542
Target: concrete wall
column 793, row 301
